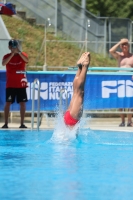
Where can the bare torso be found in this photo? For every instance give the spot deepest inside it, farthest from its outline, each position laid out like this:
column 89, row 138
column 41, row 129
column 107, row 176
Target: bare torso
column 125, row 61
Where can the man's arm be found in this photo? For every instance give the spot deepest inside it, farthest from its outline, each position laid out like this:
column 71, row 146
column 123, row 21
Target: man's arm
column 24, row 57
column 113, row 52
column 6, row 60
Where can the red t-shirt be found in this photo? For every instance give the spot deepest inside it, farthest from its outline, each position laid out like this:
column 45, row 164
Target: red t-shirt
column 14, row 80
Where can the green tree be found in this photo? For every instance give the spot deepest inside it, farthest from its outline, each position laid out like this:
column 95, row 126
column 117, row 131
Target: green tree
column 110, row 8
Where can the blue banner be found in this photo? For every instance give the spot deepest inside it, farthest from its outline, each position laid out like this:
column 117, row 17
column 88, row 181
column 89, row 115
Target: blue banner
column 101, row 91
column 108, row 91
column 51, row 84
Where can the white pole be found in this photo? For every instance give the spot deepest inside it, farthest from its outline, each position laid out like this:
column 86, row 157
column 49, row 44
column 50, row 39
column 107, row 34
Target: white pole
column 86, row 38
column 83, row 19
column 83, row 4
column 45, row 63
column 86, row 35
column 105, row 36
column 45, row 47
column 131, row 27
column 56, row 12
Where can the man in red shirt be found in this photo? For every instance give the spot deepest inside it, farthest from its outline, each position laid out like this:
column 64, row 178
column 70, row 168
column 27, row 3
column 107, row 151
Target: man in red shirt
column 15, row 83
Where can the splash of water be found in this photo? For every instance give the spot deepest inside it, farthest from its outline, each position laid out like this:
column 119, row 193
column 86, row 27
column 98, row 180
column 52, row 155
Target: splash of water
column 63, row 133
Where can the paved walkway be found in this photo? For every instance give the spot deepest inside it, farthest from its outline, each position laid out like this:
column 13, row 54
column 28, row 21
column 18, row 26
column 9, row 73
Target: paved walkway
column 49, row 123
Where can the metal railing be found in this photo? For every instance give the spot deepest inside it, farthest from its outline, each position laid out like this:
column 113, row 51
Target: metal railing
column 36, row 82
column 63, row 91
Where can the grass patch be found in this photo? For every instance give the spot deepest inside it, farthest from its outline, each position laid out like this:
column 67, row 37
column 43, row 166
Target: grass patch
column 58, row 53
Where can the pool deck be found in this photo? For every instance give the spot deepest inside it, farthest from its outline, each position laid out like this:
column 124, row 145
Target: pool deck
column 92, row 123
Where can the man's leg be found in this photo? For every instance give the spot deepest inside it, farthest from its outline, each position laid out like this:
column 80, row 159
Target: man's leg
column 129, row 118
column 84, row 57
column 10, row 98
column 22, row 112
column 122, row 118
column 74, row 87
column 84, row 61
column 21, row 99
column 78, row 95
column 6, row 114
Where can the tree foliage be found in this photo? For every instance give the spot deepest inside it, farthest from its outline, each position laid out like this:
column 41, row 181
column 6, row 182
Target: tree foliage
column 110, row 8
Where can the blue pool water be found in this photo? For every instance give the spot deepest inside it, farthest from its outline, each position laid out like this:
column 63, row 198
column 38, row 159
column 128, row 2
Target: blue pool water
column 97, row 165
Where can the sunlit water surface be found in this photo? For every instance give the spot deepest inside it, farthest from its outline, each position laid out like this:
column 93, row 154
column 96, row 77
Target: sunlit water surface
column 64, row 164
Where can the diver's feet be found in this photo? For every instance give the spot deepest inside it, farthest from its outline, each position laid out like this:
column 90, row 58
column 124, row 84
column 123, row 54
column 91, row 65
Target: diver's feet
column 84, row 60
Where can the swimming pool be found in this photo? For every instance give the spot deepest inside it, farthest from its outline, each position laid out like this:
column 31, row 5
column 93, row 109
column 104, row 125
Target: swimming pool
column 94, row 165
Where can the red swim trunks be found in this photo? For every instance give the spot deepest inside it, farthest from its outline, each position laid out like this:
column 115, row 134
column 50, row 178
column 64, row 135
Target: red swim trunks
column 69, row 120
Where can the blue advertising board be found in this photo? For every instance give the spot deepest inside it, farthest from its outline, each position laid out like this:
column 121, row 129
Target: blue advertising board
column 101, row 91
column 108, row 92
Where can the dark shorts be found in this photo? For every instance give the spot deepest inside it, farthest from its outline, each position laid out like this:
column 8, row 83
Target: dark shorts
column 18, row 94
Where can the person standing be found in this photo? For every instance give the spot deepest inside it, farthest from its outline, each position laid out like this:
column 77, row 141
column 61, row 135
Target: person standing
column 125, row 60
column 15, row 83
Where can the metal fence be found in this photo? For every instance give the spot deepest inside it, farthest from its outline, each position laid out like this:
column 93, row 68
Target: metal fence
column 71, row 22
column 67, row 19
column 117, row 29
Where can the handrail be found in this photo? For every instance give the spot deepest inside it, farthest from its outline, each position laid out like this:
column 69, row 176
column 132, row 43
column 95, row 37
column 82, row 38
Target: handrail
column 61, row 95
column 109, row 111
column 36, row 81
column 111, row 68
column 104, row 68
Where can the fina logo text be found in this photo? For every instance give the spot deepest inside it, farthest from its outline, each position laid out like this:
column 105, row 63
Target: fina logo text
column 51, row 90
column 122, row 88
